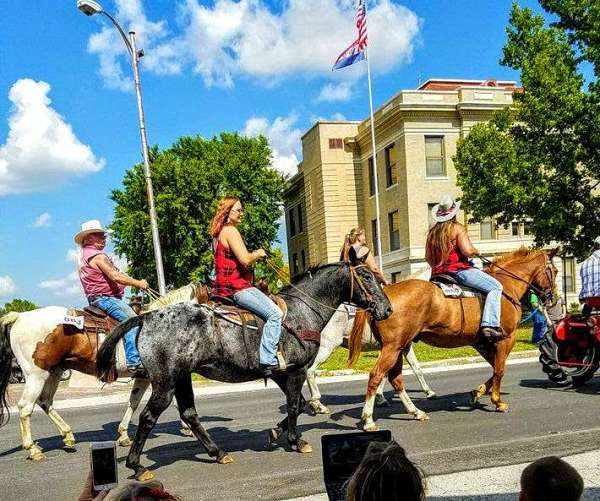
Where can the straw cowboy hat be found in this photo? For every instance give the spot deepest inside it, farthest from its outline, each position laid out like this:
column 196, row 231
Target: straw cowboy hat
column 445, row 210
column 89, row 227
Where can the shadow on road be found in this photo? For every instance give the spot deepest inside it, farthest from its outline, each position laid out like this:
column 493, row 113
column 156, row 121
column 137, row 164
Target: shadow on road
column 589, row 494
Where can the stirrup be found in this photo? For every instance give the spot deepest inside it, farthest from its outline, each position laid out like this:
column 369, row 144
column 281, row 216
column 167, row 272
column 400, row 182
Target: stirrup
column 281, row 361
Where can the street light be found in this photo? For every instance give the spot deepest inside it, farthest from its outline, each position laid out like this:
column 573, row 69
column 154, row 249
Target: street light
column 90, row 8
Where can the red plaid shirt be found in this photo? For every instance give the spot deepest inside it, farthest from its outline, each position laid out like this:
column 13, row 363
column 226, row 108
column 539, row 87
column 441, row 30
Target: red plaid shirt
column 231, row 276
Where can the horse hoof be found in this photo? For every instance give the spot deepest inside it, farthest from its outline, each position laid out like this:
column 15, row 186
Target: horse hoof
column 430, row 395
column 370, row 427
column 124, row 442
column 474, row 400
column 318, row 408
column 226, row 459
column 37, row 456
column 186, row 432
column 273, row 437
column 421, row 416
column 144, row 476
column 502, row 407
column 69, row 446
column 381, row 401
column 303, row 447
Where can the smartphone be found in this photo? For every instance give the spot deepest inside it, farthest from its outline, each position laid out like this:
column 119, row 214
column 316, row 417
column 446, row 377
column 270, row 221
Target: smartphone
column 103, row 459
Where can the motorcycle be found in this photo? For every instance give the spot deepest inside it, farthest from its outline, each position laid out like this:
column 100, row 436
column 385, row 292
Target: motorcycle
column 570, row 350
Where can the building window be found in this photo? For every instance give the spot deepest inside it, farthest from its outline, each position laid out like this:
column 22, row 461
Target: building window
column 300, row 223
column 569, row 274
column 371, row 178
column 292, row 221
column 295, row 264
column 303, row 259
column 396, row 276
column 527, row 228
column 375, row 237
column 487, row 230
column 394, row 227
column 336, row 143
column 515, row 228
column 434, row 156
column 391, row 174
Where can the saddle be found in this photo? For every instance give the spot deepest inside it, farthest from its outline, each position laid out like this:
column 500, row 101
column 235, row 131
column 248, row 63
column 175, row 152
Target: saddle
column 452, row 288
column 95, row 321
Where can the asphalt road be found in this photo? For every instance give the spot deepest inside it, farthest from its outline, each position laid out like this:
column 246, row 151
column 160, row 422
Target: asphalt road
column 543, row 420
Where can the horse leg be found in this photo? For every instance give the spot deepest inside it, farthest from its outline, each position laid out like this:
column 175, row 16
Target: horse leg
column 488, row 352
column 34, row 384
column 387, row 359
column 46, row 400
column 293, row 393
column 380, row 400
column 502, row 349
column 135, row 397
column 184, row 394
column 397, row 381
column 411, row 358
column 159, row 400
column 328, row 344
column 284, row 424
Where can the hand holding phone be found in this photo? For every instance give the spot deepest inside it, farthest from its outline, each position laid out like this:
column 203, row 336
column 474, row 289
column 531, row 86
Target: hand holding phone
column 103, row 459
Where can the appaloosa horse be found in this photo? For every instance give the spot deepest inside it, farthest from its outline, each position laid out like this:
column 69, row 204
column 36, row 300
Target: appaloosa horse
column 184, row 338
column 423, row 313
column 44, row 347
column 332, row 337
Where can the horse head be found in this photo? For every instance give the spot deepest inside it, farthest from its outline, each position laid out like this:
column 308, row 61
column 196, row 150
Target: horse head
column 365, row 291
column 544, row 277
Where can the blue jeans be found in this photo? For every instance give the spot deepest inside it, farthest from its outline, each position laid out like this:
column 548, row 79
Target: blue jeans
column 474, row 277
column 121, row 311
column 539, row 326
column 258, row 303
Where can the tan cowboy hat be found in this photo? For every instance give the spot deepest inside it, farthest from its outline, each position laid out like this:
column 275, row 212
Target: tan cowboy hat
column 445, row 210
column 89, row 227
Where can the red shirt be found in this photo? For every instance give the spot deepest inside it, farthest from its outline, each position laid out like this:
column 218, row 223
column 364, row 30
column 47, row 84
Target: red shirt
column 456, row 261
column 231, row 276
column 93, row 280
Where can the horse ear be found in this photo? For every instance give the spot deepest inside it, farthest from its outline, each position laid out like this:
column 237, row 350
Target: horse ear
column 553, row 252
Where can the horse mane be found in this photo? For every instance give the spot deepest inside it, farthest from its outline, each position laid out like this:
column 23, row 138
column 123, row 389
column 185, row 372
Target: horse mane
column 308, row 272
column 521, row 255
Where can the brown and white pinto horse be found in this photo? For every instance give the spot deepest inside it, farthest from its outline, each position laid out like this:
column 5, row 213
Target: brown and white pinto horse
column 423, row 313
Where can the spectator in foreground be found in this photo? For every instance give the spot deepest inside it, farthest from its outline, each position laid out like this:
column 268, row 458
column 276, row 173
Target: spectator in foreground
column 385, row 473
column 550, row 479
column 127, row 490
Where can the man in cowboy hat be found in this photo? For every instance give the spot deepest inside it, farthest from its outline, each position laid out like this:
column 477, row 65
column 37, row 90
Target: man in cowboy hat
column 104, row 286
column 590, row 280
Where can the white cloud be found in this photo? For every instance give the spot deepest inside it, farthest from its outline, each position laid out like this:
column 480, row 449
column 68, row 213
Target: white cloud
column 44, row 220
column 41, row 151
column 69, row 286
column 336, row 92
column 233, row 38
column 283, row 137
column 7, row 286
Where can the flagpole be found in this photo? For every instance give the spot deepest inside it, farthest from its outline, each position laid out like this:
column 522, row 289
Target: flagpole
column 375, row 178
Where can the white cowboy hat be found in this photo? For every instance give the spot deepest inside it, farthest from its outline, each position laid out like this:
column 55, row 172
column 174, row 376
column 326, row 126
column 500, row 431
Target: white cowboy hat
column 89, row 227
column 597, row 240
column 445, row 210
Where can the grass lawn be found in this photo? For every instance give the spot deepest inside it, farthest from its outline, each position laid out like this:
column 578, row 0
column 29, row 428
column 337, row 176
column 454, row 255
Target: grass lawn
column 424, row 352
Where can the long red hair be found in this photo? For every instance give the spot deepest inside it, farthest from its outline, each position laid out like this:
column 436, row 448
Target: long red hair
column 220, row 218
column 438, row 246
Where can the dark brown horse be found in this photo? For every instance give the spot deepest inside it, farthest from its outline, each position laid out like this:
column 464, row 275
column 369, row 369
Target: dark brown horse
column 423, row 313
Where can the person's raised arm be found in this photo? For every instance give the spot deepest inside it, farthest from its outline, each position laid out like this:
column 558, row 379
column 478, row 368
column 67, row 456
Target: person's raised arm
column 372, row 265
column 234, row 241
column 464, row 244
column 109, row 269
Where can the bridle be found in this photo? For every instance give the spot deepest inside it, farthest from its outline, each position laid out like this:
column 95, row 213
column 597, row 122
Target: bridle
column 546, row 295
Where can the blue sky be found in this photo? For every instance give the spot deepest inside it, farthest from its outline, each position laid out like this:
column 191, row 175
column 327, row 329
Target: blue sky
column 254, row 66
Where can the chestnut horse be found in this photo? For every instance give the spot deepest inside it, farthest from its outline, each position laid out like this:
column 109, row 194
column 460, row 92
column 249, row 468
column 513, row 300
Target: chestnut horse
column 423, row 313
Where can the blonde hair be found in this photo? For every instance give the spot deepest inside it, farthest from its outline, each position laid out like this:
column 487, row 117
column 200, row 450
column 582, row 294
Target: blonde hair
column 437, row 248
column 350, row 239
column 220, row 218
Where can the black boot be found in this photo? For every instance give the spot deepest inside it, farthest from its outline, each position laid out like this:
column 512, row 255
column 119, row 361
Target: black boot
column 138, row 371
column 493, row 334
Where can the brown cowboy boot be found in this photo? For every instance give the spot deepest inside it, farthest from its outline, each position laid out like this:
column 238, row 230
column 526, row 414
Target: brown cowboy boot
column 493, row 334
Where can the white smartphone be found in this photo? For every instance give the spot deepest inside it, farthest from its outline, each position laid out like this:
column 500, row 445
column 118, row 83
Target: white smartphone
column 103, row 459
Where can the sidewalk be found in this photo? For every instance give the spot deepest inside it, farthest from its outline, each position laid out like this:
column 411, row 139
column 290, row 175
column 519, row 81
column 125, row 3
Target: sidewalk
column 499, row 483
column 68, row 397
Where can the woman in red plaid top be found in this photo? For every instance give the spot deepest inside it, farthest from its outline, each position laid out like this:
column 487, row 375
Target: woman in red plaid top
column 233, row 279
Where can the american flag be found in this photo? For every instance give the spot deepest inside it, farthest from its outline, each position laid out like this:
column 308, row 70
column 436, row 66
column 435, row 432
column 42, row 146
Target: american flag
column 356, row 51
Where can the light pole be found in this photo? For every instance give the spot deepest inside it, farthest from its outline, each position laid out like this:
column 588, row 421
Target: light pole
column 89, row 8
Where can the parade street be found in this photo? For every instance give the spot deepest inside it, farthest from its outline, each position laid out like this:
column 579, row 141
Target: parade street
column 544, row 420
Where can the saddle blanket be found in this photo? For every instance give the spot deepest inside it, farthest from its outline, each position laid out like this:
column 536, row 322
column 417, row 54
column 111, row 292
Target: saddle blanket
column 454, row 290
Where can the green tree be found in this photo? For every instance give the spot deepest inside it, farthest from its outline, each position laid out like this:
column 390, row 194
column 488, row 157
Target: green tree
column 540, row 159
column 189, row 179
column 274, row 270
column 18, row 305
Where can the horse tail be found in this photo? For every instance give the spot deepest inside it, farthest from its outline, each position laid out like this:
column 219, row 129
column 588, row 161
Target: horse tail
column 105, row 358
column 355, row 338
column 5, row 363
